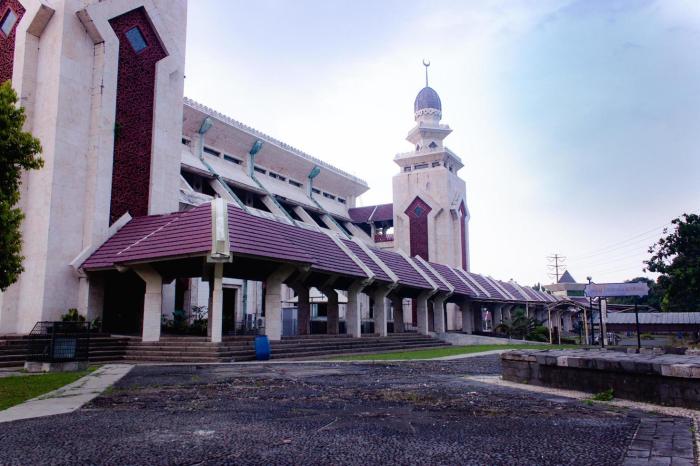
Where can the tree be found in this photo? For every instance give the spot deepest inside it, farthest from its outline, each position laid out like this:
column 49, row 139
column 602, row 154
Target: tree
column 677, row 258
column 518, row 326
column 18, row 151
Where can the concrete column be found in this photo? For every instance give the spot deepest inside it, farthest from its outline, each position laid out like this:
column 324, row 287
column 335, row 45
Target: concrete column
column 397, row 305
column 90, row 296
column 303, row 310
column 380, row 311
column 332, row 311
column 216, row 301
column 422, row 310
column 476, row 315
column 353, row 319
column 152, row 302
column 273, row 301
column 467, row 319
column 439, row 314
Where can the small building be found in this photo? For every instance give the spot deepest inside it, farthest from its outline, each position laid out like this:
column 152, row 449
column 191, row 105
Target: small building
column 655, row 322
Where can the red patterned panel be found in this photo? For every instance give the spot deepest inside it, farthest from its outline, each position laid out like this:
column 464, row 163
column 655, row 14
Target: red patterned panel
column 418, row 227
column 7, row 43
column 463, row 218
column 133, row 130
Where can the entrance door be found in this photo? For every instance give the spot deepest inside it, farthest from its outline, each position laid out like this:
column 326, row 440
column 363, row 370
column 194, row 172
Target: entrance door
column 123, row 303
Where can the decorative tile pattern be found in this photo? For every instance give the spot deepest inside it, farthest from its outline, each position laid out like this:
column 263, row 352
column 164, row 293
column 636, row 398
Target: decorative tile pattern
column 133, row 132
column 417, row 213
column 7, row 41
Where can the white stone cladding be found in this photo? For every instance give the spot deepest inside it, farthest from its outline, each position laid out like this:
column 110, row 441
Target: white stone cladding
column 66, row 63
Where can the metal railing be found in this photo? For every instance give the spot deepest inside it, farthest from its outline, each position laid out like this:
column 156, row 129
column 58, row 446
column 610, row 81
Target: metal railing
column 59, row 342
column 383, row 238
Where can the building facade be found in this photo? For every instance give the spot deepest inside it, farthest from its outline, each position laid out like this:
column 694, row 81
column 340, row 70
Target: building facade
column 102, row 84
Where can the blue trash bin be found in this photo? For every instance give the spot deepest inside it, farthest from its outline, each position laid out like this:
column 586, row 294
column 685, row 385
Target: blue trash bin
column 262, row 348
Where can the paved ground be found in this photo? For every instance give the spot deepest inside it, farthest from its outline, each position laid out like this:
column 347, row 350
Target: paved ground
column 329, row 413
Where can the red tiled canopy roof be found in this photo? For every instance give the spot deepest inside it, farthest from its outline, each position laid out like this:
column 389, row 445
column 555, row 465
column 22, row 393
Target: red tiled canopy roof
column 189, row 233
column 372, row 213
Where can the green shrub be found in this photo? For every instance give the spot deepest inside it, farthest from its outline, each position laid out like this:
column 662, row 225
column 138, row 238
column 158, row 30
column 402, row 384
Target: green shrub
column 72, row 316
column 539, row 333
column 606, row 395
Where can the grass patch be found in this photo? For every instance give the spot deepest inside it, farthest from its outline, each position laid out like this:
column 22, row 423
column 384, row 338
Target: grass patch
column 447, row 351
column 606, row 395
column 19, row 388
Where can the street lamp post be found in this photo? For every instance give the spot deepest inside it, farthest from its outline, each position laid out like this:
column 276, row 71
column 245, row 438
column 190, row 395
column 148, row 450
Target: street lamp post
column 590, row 308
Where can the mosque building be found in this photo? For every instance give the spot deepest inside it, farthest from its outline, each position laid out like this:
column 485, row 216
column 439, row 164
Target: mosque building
column 150, row 204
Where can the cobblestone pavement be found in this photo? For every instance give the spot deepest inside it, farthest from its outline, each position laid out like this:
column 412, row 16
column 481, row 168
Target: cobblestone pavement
column 324, row 413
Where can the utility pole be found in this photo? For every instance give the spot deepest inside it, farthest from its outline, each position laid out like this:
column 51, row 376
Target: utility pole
column 556, row 262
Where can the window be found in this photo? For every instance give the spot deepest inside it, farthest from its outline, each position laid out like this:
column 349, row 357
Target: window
column 418, row 166
column 232, row 159
column 211, row 151
column 341, row 200
column 8, row 22
column 295, row 183
column 276, row 176
column 260, row 170
column 186, row 141
column 436, row 164
column 406, row 169
column 432, row 145
column 418, row 210
column 316, row 191
column 135, row 38
column 328, row 195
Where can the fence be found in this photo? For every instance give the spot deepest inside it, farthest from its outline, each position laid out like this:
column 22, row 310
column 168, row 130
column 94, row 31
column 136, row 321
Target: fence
column 59, row 342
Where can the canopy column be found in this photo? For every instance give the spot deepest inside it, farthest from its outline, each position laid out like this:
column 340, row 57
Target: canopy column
column 353, row 319
column 152, row 302
column 216, row 298
column 332, row 311
column 273, row 301
column 422, row 312
column 303, row 310
column 397, row 309
column 439, row 313
column 467, row 319
column 380, row 311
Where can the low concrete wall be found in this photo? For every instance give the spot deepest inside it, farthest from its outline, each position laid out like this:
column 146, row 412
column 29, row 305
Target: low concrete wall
column 672, row 380
column 463, row 339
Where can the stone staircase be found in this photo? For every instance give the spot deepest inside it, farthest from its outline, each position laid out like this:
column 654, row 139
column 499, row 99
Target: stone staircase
column 189, row 349
column 103, row 348
column 317, row 346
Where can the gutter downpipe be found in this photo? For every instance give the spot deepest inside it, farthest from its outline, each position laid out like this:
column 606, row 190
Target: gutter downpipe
column 257, row 145
column 310, row 194
column 203, row 128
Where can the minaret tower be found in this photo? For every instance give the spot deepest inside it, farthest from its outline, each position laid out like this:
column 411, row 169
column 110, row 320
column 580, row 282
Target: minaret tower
column 431, row 218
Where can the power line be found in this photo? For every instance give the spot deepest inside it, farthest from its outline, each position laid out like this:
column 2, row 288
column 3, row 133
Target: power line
column 605, row 249
column 595, row 262
column 556, row 262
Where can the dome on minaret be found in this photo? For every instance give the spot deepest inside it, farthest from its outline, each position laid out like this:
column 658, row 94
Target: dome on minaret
column 427, row 98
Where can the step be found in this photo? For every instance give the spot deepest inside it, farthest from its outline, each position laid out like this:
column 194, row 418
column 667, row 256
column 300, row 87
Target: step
column 360, row 341
column 374, row 348
column 170, row 359
column 306, row 354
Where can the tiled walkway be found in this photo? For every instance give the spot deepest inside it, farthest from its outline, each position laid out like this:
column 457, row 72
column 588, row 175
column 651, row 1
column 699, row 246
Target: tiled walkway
column 661, row 441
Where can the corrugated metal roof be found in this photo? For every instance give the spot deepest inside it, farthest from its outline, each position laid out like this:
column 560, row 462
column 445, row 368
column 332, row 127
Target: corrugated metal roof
column 655, row 318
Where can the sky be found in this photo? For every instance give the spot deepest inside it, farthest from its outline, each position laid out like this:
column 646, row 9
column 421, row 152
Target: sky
column 578, row 122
